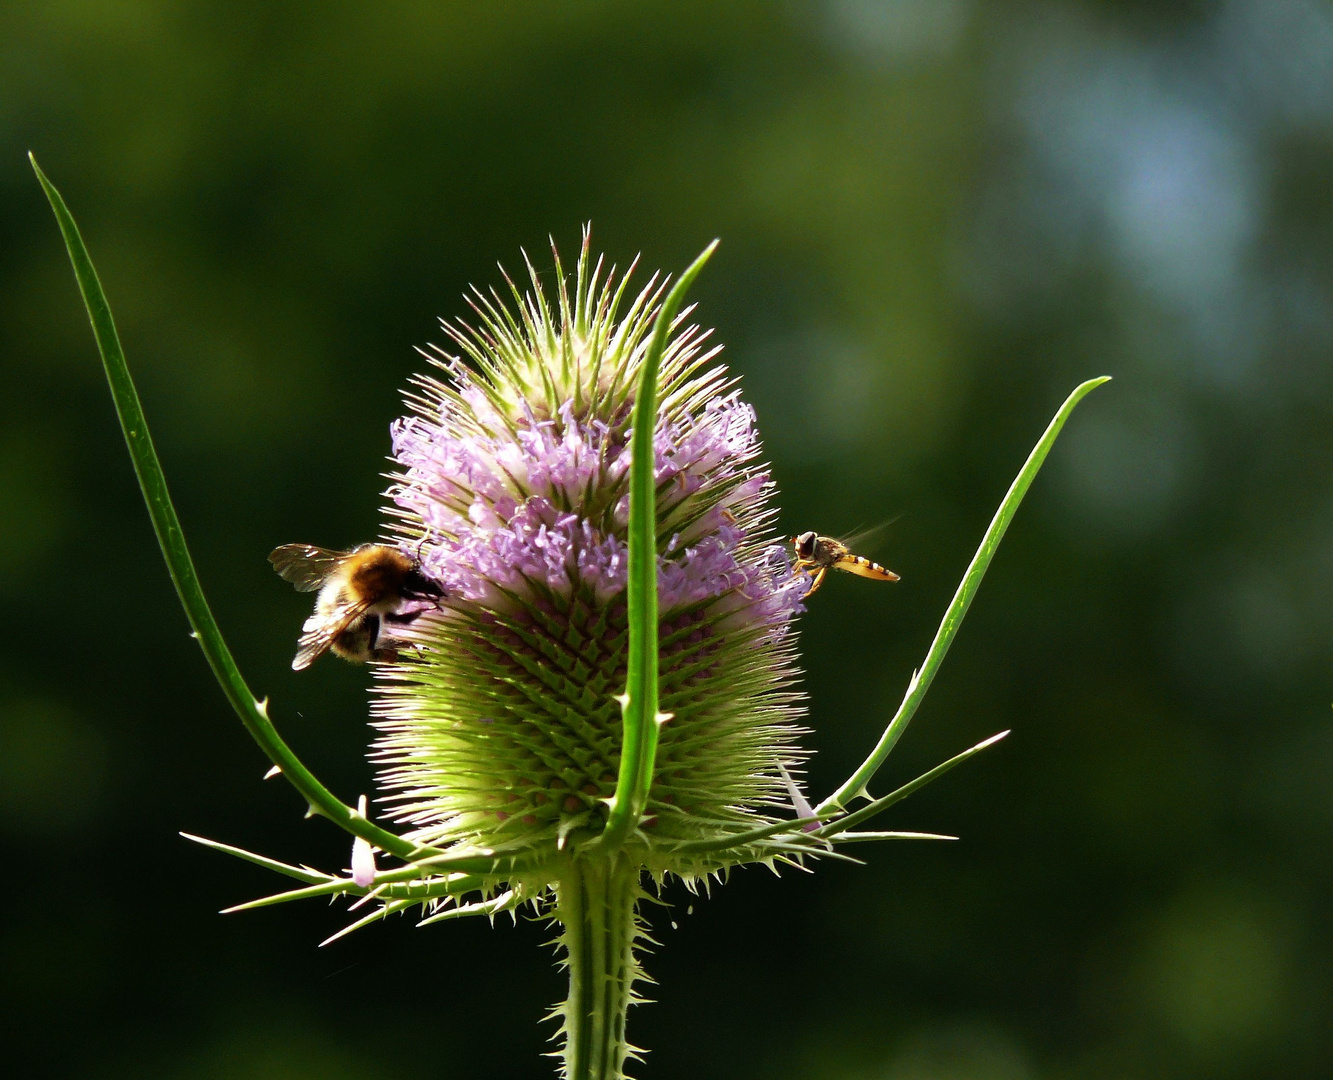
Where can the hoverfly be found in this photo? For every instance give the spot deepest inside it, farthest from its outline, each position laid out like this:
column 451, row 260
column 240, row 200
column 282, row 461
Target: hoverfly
column 817, row 555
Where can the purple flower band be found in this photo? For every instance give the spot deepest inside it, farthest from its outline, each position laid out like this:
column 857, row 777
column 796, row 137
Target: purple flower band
column 544, row 503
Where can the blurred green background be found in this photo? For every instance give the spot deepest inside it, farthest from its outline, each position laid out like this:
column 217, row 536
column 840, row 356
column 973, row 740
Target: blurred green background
column 937, row 217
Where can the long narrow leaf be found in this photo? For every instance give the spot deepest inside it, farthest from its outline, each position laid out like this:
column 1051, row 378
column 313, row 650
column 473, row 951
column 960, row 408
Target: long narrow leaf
column 391, row 908
column 433, row 888
column 152, row 482
column 503, row 902
column 796, row 826
column 639, row 702
column 501, row 863
column 953, row 617
column 842, row 824
column 328, row 888
column 863, row 837
column 310, row 877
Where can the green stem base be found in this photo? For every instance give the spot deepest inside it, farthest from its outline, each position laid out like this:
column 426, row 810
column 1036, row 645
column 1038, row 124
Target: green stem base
column 595, row 906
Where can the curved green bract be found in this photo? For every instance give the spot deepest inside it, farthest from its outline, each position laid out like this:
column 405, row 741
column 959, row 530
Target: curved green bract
column 153, row 483
column 639, row 702
column 962, row 599
column 835, row 828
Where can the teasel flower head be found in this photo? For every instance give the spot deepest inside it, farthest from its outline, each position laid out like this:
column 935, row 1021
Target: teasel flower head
column 500, row 726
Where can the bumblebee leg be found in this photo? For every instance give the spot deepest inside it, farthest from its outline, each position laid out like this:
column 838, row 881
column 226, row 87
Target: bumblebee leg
column 818, row 581
column 403, row 618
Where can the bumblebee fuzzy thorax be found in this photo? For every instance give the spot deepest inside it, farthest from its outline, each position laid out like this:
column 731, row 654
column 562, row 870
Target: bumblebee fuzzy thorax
column 360, row 593
column 376, row 574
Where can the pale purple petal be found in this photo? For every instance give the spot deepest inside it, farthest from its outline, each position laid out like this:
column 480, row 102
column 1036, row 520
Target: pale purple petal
column 363, row 863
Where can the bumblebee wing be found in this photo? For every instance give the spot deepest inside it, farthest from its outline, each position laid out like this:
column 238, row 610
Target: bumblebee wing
column 304, row 565
column 863, row 567
column 321, row 631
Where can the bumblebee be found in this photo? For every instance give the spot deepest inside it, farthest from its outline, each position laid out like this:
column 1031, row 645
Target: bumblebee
column 816, row 555
column 360, row 591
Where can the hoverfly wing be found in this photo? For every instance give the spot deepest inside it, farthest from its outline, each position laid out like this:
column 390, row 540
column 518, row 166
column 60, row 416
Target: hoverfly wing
column 304, row 565
column 322, row 631
column 870, row 537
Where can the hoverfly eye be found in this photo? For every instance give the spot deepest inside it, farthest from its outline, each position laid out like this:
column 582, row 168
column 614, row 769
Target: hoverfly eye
column 805, row 545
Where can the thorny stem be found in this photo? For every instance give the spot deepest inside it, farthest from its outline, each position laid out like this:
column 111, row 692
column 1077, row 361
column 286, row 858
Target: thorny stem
column 595, row 905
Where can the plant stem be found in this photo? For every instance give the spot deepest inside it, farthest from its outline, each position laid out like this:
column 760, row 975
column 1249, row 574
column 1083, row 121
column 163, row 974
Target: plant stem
column 595, row 905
